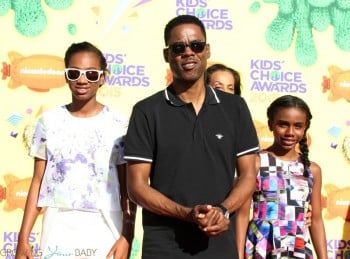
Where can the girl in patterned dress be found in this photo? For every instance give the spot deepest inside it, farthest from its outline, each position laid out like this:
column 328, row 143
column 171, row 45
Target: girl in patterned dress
column 287, row 183
column 79, row 171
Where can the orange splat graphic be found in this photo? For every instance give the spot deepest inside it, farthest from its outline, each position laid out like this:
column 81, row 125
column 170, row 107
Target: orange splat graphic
column 326, row 84
column 265, row 136
column 14, row 194
column 336, row 202
column 338, row 84
column 37, row 72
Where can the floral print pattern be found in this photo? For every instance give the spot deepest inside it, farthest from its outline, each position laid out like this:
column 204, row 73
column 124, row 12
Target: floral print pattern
column 81, row 155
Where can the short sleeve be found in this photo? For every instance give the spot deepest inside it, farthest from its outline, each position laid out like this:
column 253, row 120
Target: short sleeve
column 248, row 141
column 138, row 141
column 121, row 125
column 120, row 147
column 38, row 146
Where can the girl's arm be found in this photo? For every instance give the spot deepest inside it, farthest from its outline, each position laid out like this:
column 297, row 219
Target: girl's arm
column 128, row 207
column 122, row 247
column 31, row 211
column 242, row 220
column 317, row 230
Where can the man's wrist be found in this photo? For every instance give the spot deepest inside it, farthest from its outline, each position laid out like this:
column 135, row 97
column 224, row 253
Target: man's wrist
column 191, row 216
column 224, row 210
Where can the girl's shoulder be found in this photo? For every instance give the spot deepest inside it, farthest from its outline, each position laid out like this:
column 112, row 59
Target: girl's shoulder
column 263, row 152
column 114, row 113
column 265, row 158
column 53, row 114
column 315, row 169
column 114, row 118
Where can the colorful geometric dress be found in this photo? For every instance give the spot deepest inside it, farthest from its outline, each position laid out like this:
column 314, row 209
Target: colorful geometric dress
column 280, row 203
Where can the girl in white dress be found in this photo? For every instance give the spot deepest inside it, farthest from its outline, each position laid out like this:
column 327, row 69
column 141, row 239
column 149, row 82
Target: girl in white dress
column 79, row 171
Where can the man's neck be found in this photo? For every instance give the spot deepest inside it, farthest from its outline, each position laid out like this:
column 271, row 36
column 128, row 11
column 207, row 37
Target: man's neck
column 194, row 94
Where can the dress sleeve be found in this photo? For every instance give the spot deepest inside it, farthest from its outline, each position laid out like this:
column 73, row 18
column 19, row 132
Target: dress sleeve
column 121, row 123
column 120, row 147
column 38, row 146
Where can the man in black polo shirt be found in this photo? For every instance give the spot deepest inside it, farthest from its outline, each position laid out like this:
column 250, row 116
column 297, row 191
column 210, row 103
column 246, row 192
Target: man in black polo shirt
column 182, row 147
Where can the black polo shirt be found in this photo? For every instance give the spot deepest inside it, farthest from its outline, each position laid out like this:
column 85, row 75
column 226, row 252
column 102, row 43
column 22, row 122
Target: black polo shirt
column 193, row 159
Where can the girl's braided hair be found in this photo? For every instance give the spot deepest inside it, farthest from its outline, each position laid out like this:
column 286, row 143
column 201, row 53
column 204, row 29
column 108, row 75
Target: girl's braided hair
column 289, row 101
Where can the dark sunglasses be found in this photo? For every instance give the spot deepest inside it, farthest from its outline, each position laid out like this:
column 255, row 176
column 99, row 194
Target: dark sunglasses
column 180, row 47
column 92, row 75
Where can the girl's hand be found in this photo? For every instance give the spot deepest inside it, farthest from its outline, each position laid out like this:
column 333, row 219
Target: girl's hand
column 24, row 251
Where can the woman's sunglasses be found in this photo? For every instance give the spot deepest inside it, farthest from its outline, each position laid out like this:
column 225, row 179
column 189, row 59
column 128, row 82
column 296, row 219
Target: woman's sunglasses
column 180, row 47
column 92, row 75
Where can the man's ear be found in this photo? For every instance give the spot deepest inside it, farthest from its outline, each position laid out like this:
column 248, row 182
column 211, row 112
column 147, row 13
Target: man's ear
column 165, row 54
column 207, row 49
column 269, row 123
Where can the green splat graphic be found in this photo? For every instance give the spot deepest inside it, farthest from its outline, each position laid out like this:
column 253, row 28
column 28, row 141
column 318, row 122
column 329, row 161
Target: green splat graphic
column 255, row 7
column 59, row 4
column 320, row 18
column 5, row 6
column 341, row 23
column 296, row 20
column 72, row 29
column 135, row 248
column 279, row 34
column 30, row 19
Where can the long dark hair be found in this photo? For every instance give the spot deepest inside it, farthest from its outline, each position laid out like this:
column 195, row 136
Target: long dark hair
column 288, row 101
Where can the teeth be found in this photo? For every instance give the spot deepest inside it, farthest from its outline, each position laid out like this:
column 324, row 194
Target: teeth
column 189, row 65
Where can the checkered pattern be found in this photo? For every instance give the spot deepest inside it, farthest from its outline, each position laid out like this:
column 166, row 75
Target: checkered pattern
column 280, row 201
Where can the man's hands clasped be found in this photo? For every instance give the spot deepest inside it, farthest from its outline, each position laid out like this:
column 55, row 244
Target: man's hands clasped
column 209, row 219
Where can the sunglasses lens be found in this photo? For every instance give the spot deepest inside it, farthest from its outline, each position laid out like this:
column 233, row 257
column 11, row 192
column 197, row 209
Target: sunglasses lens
column 73, row 74
column 178, row 47
column 197, row 46
column 92, row 75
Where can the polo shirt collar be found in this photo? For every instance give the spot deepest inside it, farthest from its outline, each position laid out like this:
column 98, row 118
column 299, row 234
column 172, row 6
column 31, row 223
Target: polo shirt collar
column 171, row 97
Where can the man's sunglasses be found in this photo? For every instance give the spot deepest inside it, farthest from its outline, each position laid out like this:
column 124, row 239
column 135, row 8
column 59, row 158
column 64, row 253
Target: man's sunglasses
column 180, row 47
column 92, row 75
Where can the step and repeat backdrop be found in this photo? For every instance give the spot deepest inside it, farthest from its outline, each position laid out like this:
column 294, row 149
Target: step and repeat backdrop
column 301, row 48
